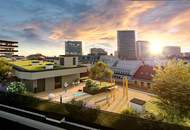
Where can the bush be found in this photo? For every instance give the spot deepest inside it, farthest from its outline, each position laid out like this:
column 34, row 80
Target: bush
column 17, row 87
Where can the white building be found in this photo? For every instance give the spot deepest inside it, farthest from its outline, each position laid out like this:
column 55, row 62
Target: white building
column 128, row 68
column 51, row 76
column 137, row 105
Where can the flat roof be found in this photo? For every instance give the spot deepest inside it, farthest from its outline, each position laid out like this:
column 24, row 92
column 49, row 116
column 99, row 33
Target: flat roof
column 26, row 66
column 6, row 41
column 69, row 55
column 137, row 101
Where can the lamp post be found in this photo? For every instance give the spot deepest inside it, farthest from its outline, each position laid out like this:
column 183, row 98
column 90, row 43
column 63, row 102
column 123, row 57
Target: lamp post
column 125, row 87
column 65, row 85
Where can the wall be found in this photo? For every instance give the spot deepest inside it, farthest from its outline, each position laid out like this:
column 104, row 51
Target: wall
column 68, row 61
column 136, row 107
column 49, row 84
column 49, row 73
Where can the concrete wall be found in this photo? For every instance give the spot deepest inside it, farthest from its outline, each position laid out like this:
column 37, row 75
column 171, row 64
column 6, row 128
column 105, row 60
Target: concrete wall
column 136, row 107
column 49, row 84
column 68, row 61
column 69, row 79
column 49, row 73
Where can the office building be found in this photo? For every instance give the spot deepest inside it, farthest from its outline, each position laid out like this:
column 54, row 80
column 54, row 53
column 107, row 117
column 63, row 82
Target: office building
column 171, row 51
column 143, row 49
column 8, row 48
column 73, row 48
column 98, row 51
column 126, row 44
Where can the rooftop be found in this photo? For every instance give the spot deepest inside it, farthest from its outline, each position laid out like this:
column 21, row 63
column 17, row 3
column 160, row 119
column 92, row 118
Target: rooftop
column 144, row 72
column 26, row 65
column 137, row 101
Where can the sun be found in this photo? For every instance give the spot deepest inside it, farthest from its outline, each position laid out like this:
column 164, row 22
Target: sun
column 155, row 49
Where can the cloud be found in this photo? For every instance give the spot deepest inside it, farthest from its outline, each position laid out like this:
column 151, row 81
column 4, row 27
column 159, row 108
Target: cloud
column 102, row 22
column 49, row 23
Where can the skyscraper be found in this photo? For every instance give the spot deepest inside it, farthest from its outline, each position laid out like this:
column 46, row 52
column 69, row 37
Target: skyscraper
column 126, row 44
column 143, row 49
column 73, row 48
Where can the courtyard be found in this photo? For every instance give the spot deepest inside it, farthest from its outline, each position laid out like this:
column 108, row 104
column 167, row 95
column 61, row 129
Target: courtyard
column 109, row 101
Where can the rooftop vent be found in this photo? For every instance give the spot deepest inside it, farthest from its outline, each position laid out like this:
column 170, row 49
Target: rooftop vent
column 49, row 66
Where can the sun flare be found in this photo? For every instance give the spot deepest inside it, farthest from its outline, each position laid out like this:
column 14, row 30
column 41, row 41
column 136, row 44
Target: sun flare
column 156, row 49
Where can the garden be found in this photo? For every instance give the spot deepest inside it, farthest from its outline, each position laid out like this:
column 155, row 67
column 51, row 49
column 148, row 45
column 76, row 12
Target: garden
column 94, row 87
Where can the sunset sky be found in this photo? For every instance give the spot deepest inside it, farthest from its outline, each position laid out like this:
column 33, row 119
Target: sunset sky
column 42, row 26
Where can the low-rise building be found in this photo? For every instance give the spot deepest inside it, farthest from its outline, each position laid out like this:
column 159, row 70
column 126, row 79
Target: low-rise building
column 137, row 105
column 41, row 76
column 143, row 76
column 98, row 51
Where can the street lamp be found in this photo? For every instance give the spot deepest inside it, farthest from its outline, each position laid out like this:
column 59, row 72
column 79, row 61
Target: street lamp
column 65, row 85
column 125, row 87
column 65, row 89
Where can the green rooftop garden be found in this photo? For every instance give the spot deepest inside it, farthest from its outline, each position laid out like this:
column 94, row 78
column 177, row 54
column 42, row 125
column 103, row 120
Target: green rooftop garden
column 27, row 64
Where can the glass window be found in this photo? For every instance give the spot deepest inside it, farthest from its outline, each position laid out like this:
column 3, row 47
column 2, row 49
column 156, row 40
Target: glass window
column 74, row 61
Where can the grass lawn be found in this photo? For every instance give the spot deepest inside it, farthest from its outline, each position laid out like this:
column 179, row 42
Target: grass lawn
column 27, row 64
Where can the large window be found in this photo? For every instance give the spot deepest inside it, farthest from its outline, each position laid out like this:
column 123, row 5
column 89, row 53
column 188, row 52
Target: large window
column 74, row 61
column 62, row 61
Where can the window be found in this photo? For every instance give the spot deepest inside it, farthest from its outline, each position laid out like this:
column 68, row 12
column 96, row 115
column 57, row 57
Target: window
column 74, row 61
column 148, row 84
column 135, row 82
column 62, row 61
column 142, row 84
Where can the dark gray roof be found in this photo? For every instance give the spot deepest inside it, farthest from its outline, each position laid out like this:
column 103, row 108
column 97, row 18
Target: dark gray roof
column 137, row 101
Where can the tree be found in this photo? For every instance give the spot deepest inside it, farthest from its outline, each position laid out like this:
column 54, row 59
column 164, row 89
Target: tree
column 17, row 87
column 100, row 71
column 171, row 84
column 5, row 69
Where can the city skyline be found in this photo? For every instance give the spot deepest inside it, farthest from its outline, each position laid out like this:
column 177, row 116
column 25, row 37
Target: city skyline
column 44, row 26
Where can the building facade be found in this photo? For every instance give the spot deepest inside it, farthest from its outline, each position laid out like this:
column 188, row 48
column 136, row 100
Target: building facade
column 143, row 76
column 53, row 76
column 170, row 51
column 98, row 51
column 8, row 48
column 73, row 48
column 126, row 45
column 143, row 49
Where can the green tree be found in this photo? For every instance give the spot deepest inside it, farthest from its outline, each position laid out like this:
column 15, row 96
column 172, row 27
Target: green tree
column 171, row 84
column 17, row 87
column 5, row 69
column 100, row 71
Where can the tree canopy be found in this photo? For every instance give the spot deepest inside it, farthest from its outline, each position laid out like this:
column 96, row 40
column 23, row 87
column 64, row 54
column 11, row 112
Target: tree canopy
column 100, row 71
column 171, row 84
column 5, row 69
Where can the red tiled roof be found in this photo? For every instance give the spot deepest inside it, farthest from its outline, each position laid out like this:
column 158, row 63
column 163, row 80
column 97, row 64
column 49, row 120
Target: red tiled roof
column 144, row 72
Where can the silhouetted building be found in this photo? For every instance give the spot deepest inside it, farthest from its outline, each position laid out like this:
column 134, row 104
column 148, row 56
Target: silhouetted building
column 170, row 51
column 98, row 51
column 73, row 48
column 143, row 49
column 8, row 48
column 126, row 44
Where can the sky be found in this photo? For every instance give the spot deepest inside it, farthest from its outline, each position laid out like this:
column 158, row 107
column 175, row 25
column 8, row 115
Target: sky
column 42, row 26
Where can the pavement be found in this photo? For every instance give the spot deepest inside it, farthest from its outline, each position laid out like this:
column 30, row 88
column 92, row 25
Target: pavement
column 103, row 100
